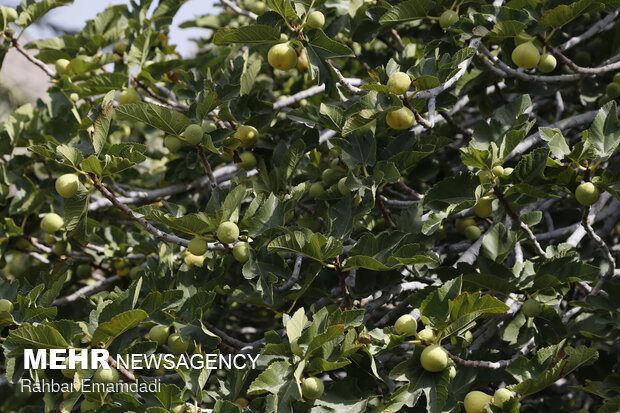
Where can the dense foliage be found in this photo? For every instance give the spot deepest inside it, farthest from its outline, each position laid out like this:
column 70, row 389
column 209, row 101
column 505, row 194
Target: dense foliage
column 319, row 170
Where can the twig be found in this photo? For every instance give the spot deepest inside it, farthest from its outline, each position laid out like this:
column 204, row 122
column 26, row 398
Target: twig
column 348, row 303
column 161, row 99
column 397, row 39
column 515, row 218
column 32, row 59
column 385, row 212
column 239, row 10
column 408, row 189
column 603, row 246
column 207, row 165
column 344, row 82
column 86, row 291
column 495, row 365
column 601, row 25
column 294, row 276
column 459, row 128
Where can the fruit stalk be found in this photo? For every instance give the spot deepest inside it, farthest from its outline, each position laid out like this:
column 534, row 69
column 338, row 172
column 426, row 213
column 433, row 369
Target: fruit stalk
column 207, row 165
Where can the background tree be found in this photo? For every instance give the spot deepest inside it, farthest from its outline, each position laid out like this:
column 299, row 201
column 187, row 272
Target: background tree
column 317, row 172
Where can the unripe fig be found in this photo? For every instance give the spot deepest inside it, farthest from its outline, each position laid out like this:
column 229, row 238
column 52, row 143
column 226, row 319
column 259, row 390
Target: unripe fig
column 342, row 187
column 62, row 66
column 316, row 190
column 227, row 232
column 486, row 177
column 208, row 127
column 197, row 246
column 507, row 172
column 461, row 224
column 400, row 119
column 434, row 358
column 6, row 305
column 613, row 90
column 51, row 223
column 282, row 56
column 11, row 14
column 192, row 260
column 587, row 194
column 547, row 63
column 484, row 207
column 582, row 58
column 617, row 78
column 475, row 401
column 67, row 371
column 406, row 325
column 107, row 376
column 74, row 97
column 523, row 38
column 176, row 345
column 172, row 143
column 531, row 308
column 497, row 170
column 242, row 401
column 159, row 334
column 427, row 334
column 129, row 96
column 399, row 83
column 67, row 185
column 120, row 47
column 472, row 233
column 452, row 372
column 526, row 55
column 303, row 65
column 61, row 248
column 193, row 134
column 329, row 175
column 502, row 395
column 247, row 135
column 257, row 7
column 448, row 18
column 316, row 20
column 83, row 271
column 248, row 161
column 312, row 388
column 179, row 408
column 241, row 251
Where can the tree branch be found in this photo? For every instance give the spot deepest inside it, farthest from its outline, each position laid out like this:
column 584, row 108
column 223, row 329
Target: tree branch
column 32, row 59
column 207, row 165
column 86, row 291
column 294, row 276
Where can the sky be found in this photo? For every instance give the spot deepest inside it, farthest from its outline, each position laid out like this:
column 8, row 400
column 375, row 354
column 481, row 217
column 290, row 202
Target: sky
column 73, row 18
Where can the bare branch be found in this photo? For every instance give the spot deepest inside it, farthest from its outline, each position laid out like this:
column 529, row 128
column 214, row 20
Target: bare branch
column 294, row 276
column 86, row 291
column 32, row 59
column 233, row 6
column 207, row 165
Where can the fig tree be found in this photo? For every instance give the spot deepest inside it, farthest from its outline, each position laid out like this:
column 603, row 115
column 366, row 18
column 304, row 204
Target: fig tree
column 282, row 56
column 434, row 358
column 67, row 185
column 51, row 223
column 227, row 232
column 11, row 14
column 399, row 83
column 400, row 119
column 406, row 325
column 526, row 55
column 312, row 388
column 89, row 406
column 296, row 348
column 587, row 194
column 120, row 47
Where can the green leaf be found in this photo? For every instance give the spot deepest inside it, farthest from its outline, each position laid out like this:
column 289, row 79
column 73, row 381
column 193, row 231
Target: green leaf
column 36, row 10
column 101, row 123
column 506, row 29
column 604, row 133
column 305, row 242
column 556, row 141
column 452, row 191
column 407, row 11
column 530, row 167
column 141, row 46
column 498, row 242
column 325, row 47
column 436, row 305
column 466, row 308
column 254, row 34
column 157, row 116
column 283, row 7
column 29, row 336
column 563, row 14
column 75, row 213
column 295, row 324
column 108, row 331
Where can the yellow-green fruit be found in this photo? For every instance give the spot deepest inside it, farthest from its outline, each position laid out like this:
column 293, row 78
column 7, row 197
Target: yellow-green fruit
column 483, row 207
column 406, row 325
column 400, row 119
column 531, row 307
column 208, row 127
column 526, row 55
column 179, row 408
column 427, row 334
column 172, row 143
column 507, row 172
column 582, row 58
column 587, row 194
column 316, row 190
column 434, row 358
column 61, row 66
column 51, row 223
column 475, row 401
column 192, row 260
column 547, row 63
column 226, row 156
column 617, row 77
column 485, row 177
column 67, row 185
column 247, row 135
column 448, row 18
column 342, row 187
column 176, row 345
column 613, row 90
column 282, row 56
column 501, row 395
column 257, row 7
column 106, row 376
column 296, row 348
column 159, row 334
column 6, row 305
column 472, row 233
column 399, row 83
column 61, row 248
column 248, row 161
column 129, row 96
column 197, row 246
column 83, row 271
column 193, row 134
column 241, row 251
column 452, row 372
column 67, row 371
column 89, row 406
column 120, row 47
column 357, row 199
column 461, row 224
column 242, row 401
column 11, row 14
column 497, row 170
column 227, row 232
column 302, row 63
column 312, row 388
column 329, row 175
column 74, row 97
column 316, row 20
